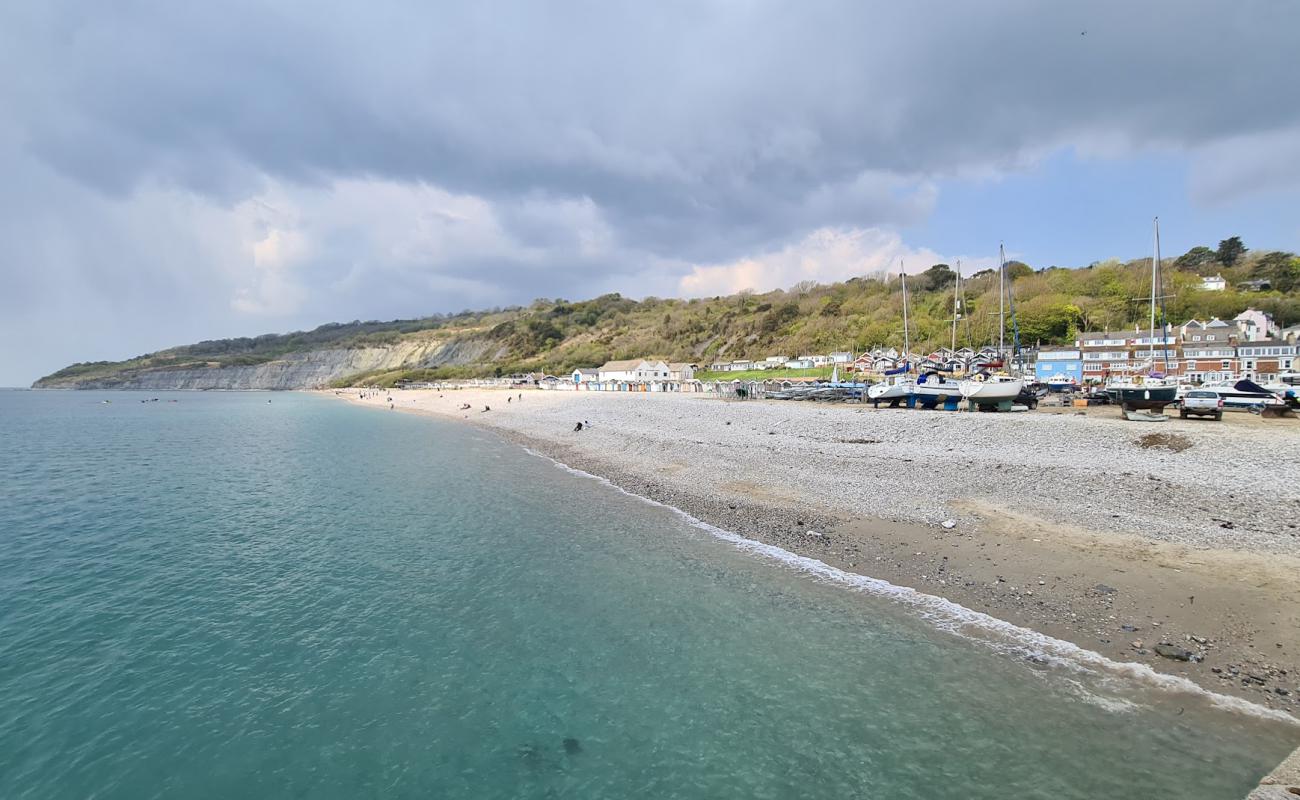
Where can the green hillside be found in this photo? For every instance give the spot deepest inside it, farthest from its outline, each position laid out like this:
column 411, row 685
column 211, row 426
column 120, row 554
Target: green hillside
column 1053, row 304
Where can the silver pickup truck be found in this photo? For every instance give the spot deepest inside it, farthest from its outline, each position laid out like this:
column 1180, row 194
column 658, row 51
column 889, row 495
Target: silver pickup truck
column 1202, row 403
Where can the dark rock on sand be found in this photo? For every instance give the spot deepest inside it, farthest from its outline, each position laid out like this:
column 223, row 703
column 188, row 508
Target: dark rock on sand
column 1173, row 651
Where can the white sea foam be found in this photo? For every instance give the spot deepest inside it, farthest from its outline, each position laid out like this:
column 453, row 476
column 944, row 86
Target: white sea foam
column 990, row 631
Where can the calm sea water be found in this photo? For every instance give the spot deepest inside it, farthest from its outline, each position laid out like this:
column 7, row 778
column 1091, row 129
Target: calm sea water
column 229, row 597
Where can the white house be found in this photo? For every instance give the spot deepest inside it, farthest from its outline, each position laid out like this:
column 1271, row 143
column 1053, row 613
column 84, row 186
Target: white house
column 681, row 371
column 841, row 358
column 586, row 375
column 1215, row 284
column 803, row 362
column 774, row 362
column 636, row 370
column 819, row 361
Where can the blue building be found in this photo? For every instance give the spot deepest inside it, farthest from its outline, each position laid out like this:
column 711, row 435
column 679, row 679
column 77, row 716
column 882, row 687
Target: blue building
column 1059, row 364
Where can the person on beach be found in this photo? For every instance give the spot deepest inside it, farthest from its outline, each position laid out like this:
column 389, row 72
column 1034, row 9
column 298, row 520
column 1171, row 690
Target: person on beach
column 577, row 427
column 507, row 400
column 486, row 408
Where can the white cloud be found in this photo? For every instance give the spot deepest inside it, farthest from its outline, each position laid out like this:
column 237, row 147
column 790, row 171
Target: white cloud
column 826, row 255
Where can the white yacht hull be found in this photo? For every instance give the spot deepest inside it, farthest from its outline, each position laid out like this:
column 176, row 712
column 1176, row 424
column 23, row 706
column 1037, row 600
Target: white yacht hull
column 990, row 392
column 938, row 388
column 890, row 391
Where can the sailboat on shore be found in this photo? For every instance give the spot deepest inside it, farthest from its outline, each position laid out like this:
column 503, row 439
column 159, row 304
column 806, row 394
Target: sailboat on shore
column 986, row 388
column 898, row 384
column 1145, row 389
column 934, row 387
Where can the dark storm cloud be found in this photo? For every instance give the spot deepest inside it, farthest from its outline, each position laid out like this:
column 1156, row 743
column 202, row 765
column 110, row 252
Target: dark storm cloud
column 610, row 142
column 696, row 115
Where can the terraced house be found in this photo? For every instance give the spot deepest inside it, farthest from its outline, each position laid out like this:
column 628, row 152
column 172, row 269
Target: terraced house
column 1104, row 353
column 1265, row 360
column 1107, row 353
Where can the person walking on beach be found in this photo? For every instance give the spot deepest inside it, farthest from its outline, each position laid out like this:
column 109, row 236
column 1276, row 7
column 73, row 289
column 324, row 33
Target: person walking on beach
column 577, row 427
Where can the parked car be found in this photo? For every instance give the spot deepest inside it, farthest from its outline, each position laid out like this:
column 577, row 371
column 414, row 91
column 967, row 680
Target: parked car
column 1201, row 403
column 1030, row 394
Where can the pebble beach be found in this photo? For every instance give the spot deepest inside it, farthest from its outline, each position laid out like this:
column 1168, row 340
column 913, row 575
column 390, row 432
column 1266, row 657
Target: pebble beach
column 1175, row 545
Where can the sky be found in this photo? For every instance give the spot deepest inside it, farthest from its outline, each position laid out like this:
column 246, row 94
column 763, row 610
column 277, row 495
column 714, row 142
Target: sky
column 173, row 172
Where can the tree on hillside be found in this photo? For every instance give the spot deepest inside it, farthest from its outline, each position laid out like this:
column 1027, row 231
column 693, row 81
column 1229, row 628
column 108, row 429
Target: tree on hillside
column 1018, row 269
column 1048, row 320
column 1281, row 270
column 1201, row 260
column 1230, row 250
column 936, row 277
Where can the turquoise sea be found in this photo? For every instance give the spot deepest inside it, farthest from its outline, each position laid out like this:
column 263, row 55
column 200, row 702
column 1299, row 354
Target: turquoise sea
column 281, row 595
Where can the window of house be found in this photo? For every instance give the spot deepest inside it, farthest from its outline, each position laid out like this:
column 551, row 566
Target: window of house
column 1197, row 338
column 1225, row 364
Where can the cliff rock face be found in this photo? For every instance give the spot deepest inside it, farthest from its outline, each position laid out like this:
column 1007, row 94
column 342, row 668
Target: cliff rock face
column 306, row 370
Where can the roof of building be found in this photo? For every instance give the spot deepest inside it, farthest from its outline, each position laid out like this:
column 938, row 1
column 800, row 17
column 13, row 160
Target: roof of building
column 621, row 366
column 678, row 366
column 587, row 370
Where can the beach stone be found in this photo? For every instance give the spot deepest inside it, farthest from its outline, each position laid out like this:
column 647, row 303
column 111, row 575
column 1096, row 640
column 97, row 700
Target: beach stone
column 1173, row 651
column 949, row 523
column 1102, row 588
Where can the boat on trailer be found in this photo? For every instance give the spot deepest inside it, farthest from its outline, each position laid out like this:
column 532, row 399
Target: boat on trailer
column 896, row 387
column 1151, row 391
column 934, row 388
column 988, row 388
column 1061, row 384
column 1244, row 394
column 1143, row 392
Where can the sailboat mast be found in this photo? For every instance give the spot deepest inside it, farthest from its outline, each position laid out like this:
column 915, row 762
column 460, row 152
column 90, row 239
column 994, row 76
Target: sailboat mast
column 907, row 336
column 1002, row 300
column 1155, row 266
column 956, row 305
